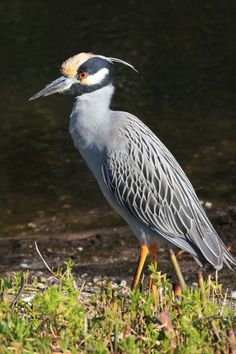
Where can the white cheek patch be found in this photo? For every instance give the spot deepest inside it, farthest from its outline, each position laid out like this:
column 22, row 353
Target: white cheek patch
column 95, row 78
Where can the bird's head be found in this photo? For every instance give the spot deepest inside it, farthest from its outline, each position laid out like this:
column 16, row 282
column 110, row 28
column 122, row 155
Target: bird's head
column 83, row 73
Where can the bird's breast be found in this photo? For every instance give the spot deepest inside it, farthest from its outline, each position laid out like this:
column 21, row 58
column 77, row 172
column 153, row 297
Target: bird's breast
column 89, row 143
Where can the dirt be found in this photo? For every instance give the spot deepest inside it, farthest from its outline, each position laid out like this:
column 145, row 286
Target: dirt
column 108, row 252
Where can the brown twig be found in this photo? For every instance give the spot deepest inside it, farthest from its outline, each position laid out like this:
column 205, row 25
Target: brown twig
column 20, row 292
column 45, row 263
column 215, row 329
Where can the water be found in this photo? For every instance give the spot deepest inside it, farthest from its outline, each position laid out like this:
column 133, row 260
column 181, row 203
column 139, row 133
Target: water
column 185, row 92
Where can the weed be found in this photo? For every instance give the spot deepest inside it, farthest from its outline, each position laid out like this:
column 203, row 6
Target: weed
column 64, row 318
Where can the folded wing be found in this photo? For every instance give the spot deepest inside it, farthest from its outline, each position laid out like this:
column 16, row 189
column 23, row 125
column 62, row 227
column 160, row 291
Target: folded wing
column 147, row 181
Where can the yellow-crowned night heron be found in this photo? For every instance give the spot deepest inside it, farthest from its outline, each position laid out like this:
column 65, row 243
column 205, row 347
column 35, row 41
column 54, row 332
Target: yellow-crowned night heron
column 137, row 174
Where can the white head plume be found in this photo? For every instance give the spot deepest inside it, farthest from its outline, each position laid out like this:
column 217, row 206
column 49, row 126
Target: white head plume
column 117, row 60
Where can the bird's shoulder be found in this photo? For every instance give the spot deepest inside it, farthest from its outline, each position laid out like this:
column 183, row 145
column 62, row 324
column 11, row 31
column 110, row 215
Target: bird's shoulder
column 132, row 134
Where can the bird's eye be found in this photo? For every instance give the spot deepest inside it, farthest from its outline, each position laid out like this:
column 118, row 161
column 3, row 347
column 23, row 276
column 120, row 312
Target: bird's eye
column 83, row 75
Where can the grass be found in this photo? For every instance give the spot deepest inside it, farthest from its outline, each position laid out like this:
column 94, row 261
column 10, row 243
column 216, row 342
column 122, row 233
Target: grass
column 64, row 318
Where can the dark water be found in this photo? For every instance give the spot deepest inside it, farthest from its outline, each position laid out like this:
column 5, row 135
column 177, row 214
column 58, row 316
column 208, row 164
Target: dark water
column 185, row 53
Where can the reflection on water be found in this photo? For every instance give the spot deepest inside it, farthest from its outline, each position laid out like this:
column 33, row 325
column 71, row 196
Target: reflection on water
column 184, row 92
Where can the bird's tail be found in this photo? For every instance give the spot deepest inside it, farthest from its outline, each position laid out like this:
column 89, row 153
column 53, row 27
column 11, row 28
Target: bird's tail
column 213, row 251
column 228, row 259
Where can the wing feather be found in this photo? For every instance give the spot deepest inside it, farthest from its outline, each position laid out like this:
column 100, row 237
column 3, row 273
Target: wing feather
column 147, row 181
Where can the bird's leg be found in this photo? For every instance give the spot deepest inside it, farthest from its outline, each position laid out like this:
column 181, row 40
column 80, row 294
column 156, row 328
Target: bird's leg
column 143, row 255
column 153, row 252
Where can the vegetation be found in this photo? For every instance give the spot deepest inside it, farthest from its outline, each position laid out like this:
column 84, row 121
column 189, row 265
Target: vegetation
column 64, row 318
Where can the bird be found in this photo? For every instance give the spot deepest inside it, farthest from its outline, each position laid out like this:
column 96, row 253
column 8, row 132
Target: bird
column 137, row 174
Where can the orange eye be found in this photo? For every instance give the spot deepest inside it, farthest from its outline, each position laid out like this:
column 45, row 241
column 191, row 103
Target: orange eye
column 83, row 75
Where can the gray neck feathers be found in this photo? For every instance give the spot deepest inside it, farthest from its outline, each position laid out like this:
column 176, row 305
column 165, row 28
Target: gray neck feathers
column 90, row 118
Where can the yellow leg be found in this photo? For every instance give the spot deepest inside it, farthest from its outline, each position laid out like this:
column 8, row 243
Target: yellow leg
column 153, row 252
column 143, row 255
column 144, row 251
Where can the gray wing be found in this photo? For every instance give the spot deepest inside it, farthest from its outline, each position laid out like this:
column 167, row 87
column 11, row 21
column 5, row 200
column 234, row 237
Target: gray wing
column 146, row 180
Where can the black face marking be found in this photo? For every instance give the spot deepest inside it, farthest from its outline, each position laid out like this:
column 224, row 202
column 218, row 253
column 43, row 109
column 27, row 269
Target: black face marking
column 75, row 89
column 95, row 64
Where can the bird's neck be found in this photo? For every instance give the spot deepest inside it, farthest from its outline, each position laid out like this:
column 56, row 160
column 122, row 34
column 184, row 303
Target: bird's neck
column 90, row 118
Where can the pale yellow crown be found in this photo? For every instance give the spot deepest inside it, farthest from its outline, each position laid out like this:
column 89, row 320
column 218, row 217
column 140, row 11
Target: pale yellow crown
column 70, row 66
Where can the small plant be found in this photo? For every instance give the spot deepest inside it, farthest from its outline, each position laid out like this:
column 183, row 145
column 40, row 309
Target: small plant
column 62, row 318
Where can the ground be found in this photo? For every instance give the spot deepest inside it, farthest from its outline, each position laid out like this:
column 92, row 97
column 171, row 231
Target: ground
column 108, row 252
